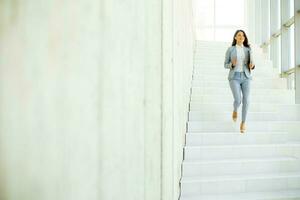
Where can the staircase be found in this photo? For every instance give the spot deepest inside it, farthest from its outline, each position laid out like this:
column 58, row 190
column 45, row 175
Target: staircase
column 220, row 163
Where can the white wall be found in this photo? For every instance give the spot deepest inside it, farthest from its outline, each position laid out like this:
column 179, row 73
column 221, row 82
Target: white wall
column 93, row 98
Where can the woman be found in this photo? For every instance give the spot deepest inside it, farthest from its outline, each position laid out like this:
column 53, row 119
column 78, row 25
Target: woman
column 239, row 60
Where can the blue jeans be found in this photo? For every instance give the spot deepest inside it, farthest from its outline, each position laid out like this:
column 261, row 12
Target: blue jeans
column 240, row 83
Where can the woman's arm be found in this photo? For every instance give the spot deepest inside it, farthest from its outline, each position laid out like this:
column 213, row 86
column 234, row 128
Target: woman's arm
column 227, row 63
column 251, row 60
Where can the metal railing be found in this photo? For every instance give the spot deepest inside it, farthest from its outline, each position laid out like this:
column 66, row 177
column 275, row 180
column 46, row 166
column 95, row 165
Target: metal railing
column 287, row 73
column 284, row 27
column 288, row 76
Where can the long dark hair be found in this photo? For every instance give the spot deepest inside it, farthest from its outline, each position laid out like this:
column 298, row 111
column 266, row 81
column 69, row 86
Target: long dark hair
column 245, row 43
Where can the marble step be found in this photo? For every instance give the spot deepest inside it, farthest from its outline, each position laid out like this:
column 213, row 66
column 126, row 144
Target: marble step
column 220, row 77
column 269, row 195
column 212, row 59
column 260, row 182
column 271, row 83
column 251, row 116
column 285, row 109
column 237, row 151
column 220, row 70
column 231, row 138
column 272, row 99
column 229, row 126
column 202, row 52
column 218, row 167
column 213, row 90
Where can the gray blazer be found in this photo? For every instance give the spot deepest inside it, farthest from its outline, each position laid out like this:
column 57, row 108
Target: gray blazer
column 230, row 54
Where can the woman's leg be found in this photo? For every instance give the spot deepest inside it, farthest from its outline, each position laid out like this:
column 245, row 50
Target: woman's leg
column 236, row 92
column 246, row 98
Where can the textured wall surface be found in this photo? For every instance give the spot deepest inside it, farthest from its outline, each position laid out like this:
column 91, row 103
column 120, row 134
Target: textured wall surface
column 93, row 98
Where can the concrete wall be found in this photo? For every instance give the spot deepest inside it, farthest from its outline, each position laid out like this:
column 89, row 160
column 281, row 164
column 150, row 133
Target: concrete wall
column 93, row 98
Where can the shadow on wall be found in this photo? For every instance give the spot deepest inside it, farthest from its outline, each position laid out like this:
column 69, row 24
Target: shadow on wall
column 3, row 182
column 9, row 11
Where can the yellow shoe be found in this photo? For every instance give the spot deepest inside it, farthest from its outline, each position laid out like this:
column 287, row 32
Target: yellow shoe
column 234, row 116
column 243, row 127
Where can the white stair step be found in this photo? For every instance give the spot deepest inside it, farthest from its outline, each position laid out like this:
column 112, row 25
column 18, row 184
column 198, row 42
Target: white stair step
column 211, row 56
column 229, row 126
column 219, row 59
column 285, row 109
column 240, row 183
column 212, row 90
column 267, row 84
column 270, row 195
column 286, row 99
column 222, row 50
column 215, row 44
column 220, row 53
column 230, row 138
column 251, row 116
column 241, row 151
column 218, row 167
column 221, row 45
column 202, row 52
column 206, row 65
column 220, row 56
column 220, row 162
column 200, row 65
column 262, row 73
column 228, row 107
column 259, row 72
column 216, row 47
column 254, row 94
column 192, row 153
column 218, row 77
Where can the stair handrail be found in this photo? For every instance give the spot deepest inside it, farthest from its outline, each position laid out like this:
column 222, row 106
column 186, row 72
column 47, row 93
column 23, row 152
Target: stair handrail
column 284, row 26
column 288, row 72
column 275, row 35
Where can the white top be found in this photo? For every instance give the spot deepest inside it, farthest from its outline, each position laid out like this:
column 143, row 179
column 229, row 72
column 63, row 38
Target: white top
column 240, row 58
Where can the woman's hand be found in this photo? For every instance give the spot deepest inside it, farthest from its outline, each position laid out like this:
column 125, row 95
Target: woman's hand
column 251, row 66
column 233, row 61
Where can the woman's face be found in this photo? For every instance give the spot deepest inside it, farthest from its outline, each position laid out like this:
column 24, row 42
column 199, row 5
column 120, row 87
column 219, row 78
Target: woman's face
column 239, row 37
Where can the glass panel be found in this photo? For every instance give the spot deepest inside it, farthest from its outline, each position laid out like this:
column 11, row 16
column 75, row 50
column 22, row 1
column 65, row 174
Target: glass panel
column 218, row 19
column 279, row 15
column 225, row 34
column 292, row 46
column 204, row 12
column 291, row 8
column 205, row 34
column 229, row 12
column 279, row 53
